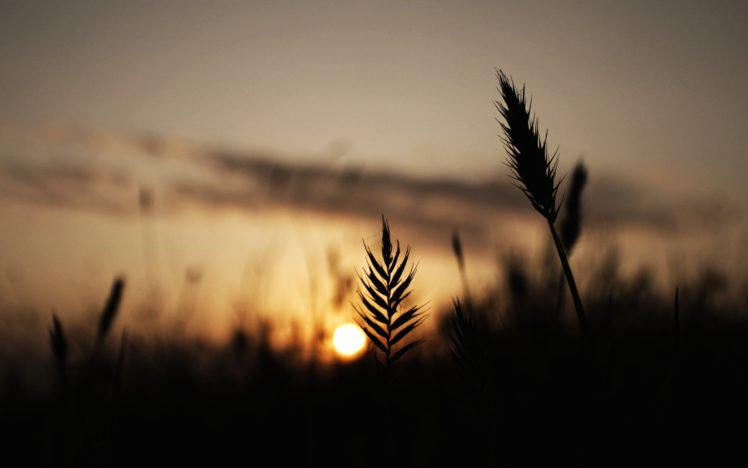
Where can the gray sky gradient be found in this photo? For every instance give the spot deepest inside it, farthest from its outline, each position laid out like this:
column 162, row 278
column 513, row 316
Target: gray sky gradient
column 652, row 85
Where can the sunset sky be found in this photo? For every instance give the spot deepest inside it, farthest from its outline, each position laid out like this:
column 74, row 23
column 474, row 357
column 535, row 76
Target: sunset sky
column 230, row 156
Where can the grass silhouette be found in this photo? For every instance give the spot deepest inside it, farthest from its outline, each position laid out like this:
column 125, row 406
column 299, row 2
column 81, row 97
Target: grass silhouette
column 504, row 382
column 383, row 318
column 518, row 393
column 109, row 313
column 533, row 169
column 59, row 345
column 571, row 223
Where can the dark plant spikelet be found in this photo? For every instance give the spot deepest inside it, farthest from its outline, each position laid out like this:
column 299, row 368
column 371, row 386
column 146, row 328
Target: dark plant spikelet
column 571, row 223
column 384, row 321
column 457, row 249
column 110, row 309
column 533, row 170
column 59, row 345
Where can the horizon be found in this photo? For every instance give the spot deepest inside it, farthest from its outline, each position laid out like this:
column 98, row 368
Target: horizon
column 200, row 152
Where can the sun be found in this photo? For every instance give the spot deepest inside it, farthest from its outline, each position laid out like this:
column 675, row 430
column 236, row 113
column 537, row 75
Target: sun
column 348, row 340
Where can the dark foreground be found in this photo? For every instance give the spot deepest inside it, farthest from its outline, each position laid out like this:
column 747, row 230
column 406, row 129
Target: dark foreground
column 634, row 391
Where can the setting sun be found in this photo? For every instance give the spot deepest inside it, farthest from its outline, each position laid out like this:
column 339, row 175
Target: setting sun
column 348, row 340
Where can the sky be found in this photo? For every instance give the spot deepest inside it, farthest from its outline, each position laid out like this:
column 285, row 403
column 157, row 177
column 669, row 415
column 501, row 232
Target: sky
column 209, row 146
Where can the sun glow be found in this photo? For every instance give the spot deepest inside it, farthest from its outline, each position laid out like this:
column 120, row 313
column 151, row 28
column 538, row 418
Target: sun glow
column 348, row 340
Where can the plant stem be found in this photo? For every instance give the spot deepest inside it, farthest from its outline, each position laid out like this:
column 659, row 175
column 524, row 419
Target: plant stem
column 569, row 279
column 676, row 323
column 466, row 288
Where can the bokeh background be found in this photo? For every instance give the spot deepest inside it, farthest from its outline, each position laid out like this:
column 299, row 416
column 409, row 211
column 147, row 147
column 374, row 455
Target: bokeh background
column 228, row 158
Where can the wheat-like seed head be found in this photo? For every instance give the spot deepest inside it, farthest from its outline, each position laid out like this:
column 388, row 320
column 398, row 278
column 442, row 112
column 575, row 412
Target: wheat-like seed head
column 386, row 285
column 533, row 170
column 571, row 223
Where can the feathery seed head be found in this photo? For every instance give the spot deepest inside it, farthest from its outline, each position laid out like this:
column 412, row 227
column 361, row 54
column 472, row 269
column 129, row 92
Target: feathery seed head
column 533, row 169
column 385, row 284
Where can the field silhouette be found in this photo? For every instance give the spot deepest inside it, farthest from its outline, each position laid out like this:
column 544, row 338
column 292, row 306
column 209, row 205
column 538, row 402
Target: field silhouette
column 640, row 376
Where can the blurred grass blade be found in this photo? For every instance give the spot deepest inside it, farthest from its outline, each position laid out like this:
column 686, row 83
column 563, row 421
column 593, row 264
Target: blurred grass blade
column 460, row 256
column 110, row 309
column 571, row 224
column 59, row 345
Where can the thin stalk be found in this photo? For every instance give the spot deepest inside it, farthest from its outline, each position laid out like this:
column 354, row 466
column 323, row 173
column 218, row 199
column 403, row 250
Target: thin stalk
column 459, row 255
column 560, row 295
column 676, row 322
column 390, row 313
column 569, row 278
column 466, row 288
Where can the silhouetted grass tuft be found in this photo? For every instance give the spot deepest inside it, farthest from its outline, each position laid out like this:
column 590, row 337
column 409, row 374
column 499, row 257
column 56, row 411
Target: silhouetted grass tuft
column 382, row 317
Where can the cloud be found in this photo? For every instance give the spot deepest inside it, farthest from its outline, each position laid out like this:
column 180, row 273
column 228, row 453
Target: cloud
column 215, row 179
column 65, row 185
column 252, row 181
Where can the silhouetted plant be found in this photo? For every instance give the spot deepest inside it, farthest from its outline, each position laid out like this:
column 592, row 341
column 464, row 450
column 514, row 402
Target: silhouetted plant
column 533, row 169
column 59, row 345
column 571, row 223
column 110, row 310
column 676, row 322
column 517, row 278
column 459, row 255
column 464, row 341
column 383, row 319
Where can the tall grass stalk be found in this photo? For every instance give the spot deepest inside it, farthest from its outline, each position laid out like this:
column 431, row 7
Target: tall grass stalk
column 570, row 228
column 59, row 345
column 676, row 323
column 109, row 313
column 533, row 168
column 460, row 256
